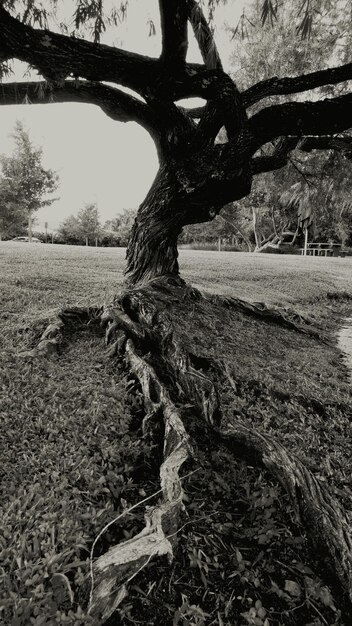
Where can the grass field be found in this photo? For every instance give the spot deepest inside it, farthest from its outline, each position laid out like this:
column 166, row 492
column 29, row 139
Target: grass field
column 68, row 456
column 43, row 277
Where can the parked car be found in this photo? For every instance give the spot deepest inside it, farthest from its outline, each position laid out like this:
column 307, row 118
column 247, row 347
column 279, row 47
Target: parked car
column 25, row 239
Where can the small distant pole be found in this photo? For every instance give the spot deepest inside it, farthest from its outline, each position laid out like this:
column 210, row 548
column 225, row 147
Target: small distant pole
column 30, row 227
column 46, row 231
column 52, row 237
column 305, row 241
column 219, row 244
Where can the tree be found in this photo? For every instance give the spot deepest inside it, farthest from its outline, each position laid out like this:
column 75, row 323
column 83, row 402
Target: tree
column 24, row 182
column 122, row 225
column 13, row 219
column 259, row 55
column 196, row 178
column 275, row 220
column 69, row 231
column 83, row 227
column 231, row 224
column 88, row 223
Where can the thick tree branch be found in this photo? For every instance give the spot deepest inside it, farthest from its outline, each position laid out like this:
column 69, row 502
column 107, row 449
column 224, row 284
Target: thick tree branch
column 283, row 86
column 195, row 113
column 280, row 155
column 340, row 144
column 58, row 56
column 173, row 17
column 115, row 103
column 277, row 159
column 169, row 127
column 204, row 36
column 325, row 117
column 176, row 128
column 224, row 108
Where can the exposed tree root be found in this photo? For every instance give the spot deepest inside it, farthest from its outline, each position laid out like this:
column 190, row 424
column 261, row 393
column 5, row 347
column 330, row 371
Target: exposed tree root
column 112, row 571
column 153, row 328
column 279, row 315
column 327, row 524
column 53, row 337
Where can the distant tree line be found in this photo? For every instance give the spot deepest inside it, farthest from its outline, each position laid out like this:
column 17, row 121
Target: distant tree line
column 86, row 228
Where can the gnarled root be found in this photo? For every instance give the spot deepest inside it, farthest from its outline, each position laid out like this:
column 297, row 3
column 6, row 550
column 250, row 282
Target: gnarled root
column 281, row 316
column 328, row 526
column 113, row 570
column 68, row 319
column 156, row 328
column 172, row 374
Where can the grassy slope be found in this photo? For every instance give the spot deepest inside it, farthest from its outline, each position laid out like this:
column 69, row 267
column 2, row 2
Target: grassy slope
column 58, row 415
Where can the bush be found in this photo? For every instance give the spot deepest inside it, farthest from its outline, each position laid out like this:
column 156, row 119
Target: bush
column 207, row 245
column 282, row 250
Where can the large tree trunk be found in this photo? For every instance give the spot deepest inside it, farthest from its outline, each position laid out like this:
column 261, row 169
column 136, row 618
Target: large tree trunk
column 185, row 191
column 152, row 247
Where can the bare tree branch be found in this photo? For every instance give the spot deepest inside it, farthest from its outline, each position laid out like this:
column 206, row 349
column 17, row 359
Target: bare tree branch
column 115, row 103
column 204, row 36
column 283, row 86
column 277, row 159
column 195, row 113
column 280, row 155
column 58, row 57
column 340, row 144
column 173, row 17
column 224, row 108
column 300, row 119
column 169, row 127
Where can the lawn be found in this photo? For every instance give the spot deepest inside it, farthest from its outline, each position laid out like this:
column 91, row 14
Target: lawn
column 72, row 457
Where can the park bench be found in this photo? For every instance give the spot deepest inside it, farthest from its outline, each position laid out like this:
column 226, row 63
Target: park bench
column 324, row 249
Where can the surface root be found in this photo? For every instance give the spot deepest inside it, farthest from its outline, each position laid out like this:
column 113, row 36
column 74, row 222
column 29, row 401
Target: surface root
column 180, row 387
column 120, row 564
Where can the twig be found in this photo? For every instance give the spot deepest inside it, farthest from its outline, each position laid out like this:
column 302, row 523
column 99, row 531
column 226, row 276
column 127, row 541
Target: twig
column 309, row 182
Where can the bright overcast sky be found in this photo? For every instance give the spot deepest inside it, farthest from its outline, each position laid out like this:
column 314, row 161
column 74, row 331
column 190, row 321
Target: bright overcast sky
column 96, row 158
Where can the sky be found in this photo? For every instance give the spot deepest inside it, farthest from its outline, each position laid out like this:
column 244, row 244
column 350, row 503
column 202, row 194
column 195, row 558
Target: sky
column 98, row 159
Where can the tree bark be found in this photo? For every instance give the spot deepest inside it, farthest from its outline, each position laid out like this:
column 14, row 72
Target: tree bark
column 187, row 190
column 152, row 247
